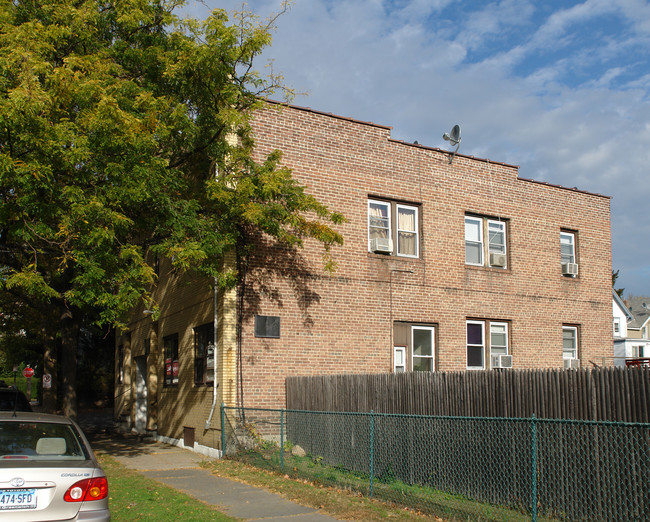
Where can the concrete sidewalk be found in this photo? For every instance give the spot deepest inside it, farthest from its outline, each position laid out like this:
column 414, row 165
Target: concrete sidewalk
column 180, row 469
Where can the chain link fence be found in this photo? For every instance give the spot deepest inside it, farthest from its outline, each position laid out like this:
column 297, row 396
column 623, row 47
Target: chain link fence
column 457, row 468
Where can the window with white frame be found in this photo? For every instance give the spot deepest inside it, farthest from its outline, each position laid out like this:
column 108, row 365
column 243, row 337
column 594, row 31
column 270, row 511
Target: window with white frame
column 423, row 349
column 393, row 228
column 478, row 251
column 399, row 359
column 569, row 342
column 379, row 223
column 637, row 351
column 617, row 326
column 407, row 231
column 475, row 345
column 478, row 346
column 498, row 339
column 568, row 252
column 473, row 241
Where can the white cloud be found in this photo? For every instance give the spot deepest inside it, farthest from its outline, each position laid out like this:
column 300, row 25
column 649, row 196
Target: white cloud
column 529, row 86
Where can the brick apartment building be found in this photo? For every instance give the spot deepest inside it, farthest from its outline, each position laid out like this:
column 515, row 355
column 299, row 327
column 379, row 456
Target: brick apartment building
column 458, row 266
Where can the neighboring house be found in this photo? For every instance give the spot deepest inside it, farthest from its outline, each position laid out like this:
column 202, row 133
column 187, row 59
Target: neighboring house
column 635, row 343
column 622, row 316
column 458, row 266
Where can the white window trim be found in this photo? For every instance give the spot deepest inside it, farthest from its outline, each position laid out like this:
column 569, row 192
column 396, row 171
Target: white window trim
column 416, row 231
column 484, row 240
column 467, row 345
column 507, row 347
column 572, row 237
column 389, row 214
column 402, row 351
column 480, row 239
column 502, row 224
column 433, row 346
column 575, row 354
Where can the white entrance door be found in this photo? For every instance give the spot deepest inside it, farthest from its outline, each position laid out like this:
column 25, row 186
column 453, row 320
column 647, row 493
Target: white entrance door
column 141, row 394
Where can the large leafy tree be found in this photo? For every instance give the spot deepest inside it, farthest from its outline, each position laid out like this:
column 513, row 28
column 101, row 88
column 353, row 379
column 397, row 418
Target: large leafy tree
column 115, row 117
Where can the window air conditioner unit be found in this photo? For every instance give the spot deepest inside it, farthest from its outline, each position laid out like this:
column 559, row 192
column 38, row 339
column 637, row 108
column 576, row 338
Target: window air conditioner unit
column 498, row 260
column 571, row 364
column 381, row 245
column 570, row 269
column 501, row 361
column 505, row 361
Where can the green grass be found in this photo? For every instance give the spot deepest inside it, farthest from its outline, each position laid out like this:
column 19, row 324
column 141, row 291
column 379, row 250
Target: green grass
column 417, row 498
column 133, row 496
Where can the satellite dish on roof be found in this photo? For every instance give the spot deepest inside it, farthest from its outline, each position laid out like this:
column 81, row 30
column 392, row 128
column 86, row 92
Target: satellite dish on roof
column 454, row 138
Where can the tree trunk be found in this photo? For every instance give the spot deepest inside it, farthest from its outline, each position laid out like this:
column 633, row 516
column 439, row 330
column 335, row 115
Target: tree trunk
column 69, row 324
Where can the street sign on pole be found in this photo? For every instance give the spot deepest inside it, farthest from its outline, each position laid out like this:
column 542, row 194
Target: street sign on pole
column 28, row 372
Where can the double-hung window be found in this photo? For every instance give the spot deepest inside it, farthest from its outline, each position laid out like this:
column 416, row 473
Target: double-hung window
column 379, row 222
column 567, row 247
column 568, row 256
column 475, row 345
column 170, row 344
column 498, row 340
column 486, row 338
column 480, row 252
column 473, row 241
column 204, row 354
column 569, row 342
column 422, row 344
column 407, row 231
column 393, row 228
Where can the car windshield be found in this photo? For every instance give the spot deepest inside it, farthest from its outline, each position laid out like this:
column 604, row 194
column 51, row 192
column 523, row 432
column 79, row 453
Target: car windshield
column 39, row 441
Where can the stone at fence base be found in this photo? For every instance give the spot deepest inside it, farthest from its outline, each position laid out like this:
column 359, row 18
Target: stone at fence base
column 297, row 451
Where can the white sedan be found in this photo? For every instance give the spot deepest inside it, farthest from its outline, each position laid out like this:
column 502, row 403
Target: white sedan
column 48, row 471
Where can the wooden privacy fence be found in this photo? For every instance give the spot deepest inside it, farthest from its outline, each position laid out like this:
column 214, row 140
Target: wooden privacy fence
column 603, row 394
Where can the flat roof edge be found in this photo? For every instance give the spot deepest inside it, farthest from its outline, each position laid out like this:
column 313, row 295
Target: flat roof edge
column 425, row 147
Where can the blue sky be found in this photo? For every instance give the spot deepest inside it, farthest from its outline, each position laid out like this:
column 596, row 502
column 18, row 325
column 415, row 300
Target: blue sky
column 560, row 88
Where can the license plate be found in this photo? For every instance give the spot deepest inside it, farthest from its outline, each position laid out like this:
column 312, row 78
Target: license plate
column 17, row 499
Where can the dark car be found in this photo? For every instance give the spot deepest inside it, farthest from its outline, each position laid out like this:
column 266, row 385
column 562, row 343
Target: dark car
column 12, row 399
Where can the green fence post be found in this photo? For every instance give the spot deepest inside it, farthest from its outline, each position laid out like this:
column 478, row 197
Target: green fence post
column 533, row 442
column 282, row 440
column 372, row 449
column 223, row 430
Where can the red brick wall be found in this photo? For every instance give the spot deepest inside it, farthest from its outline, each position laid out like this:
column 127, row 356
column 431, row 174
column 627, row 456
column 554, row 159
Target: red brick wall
column 341, row 323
